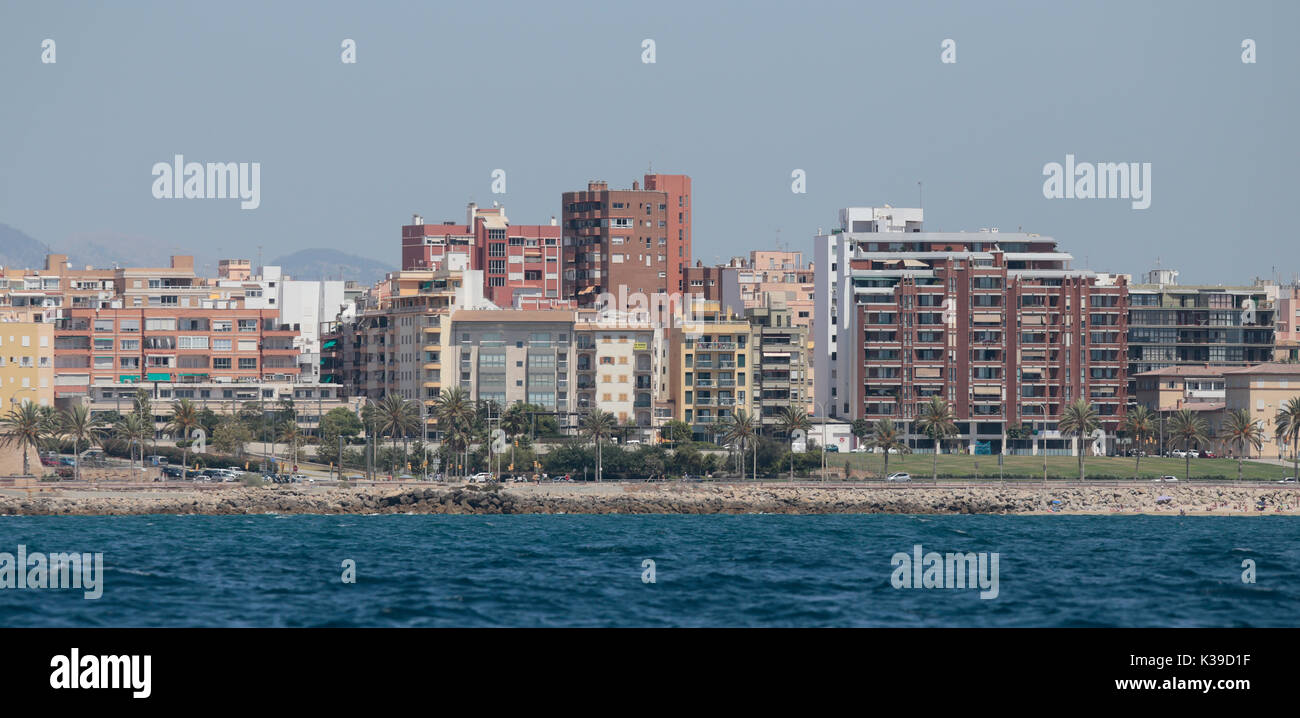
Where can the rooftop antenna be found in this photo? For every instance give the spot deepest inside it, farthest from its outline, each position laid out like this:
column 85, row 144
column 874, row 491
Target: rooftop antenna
column 920, row 195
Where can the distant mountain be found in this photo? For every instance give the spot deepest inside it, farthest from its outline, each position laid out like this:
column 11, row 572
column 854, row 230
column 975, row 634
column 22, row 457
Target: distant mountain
column 320, row 264
column 17, row 249
column 105, row 250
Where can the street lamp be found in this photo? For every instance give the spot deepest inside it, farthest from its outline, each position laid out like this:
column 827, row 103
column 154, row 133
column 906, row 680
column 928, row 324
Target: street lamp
column 821, row 406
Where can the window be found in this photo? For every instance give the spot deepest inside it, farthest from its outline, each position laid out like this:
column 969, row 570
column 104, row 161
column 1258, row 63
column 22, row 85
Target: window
column 248, row 362
column 221, row 362
column 193, row 342
column 160, row 325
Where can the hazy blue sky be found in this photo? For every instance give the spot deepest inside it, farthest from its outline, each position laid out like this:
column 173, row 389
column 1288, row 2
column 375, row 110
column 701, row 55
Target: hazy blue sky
column 555, row 93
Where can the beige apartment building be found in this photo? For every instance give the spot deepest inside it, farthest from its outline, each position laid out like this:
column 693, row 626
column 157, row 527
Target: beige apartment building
column 782, row 372
column 26, row 364
column 512, row 356
column 398, row 338
column 620, row 368
column 710, row 359
column 1262, row 390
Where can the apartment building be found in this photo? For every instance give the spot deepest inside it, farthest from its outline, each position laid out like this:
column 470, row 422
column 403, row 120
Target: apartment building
column 26, row 364
column 1175, row 325
column 773, row 273
column 396, row 342
column 1199, row 387
column 509, row 357
column 639, row 239
column 519, row 262
column 1287, row 339
column 620, row 367
column 781, row 375
column 35, row 295
column 997, row 324
column 1262, row 390
column 710, row 360
column 103, row 347
column 744, row 282
column 310, row 401
column 236, row 270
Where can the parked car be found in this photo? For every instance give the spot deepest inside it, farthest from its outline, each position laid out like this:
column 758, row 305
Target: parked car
column 482, row 477
column 832, row 448
column 1178, row 454
column 156, row 460
column 899, row 476
column 1288, row 480
column 1209, row 455
column 1166, row 480
column 858, row 450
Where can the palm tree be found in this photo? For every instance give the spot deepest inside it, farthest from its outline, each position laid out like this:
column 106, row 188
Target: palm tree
column 133, row 430
column 1288, row 429
column 78, row 425
column 290, row 435
column 1140, row 423
column 142, row 405
column 1240, row 429
column 937, row 422
column 1185, row 424
column 1079, row 419
column 597, row 425
column 454, row 412
column 792, row 419
column 24, row 427
column 886, row 437
column 514, row 422
column 743, row 430
column 395, row 415
column 185, row 418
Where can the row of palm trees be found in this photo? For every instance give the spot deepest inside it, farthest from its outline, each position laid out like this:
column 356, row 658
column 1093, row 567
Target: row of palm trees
column 30, row 426
column 1239, row 431
column 1080, row 418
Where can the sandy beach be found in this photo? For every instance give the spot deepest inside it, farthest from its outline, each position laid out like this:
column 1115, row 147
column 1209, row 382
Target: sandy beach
column 667, row 498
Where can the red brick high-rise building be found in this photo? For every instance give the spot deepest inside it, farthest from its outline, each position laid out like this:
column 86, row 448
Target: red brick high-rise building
column 520, row 261
column 638, row 238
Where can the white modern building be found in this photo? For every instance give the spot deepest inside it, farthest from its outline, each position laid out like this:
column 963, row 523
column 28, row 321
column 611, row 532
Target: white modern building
column 833, row 309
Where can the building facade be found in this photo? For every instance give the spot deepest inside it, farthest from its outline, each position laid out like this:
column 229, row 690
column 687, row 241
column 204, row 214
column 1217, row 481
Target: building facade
column 507, row 357
column 1174, row 325
column 26, row 364
column 104, row 347
column 997, row 324
column 519, row 262
column 639, row 239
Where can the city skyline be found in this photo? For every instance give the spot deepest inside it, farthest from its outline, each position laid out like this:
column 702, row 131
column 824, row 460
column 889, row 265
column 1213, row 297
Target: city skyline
column 349, row 151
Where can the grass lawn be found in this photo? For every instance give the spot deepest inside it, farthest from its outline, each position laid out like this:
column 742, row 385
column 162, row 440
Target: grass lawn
column 1058, row 467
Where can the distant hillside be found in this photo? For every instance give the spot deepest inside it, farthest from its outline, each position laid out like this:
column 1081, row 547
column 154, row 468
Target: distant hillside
column 17, row 249
column 106, row 249
column 319, row 264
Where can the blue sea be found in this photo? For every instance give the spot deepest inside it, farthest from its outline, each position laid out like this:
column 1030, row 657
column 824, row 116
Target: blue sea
column 583, row 570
